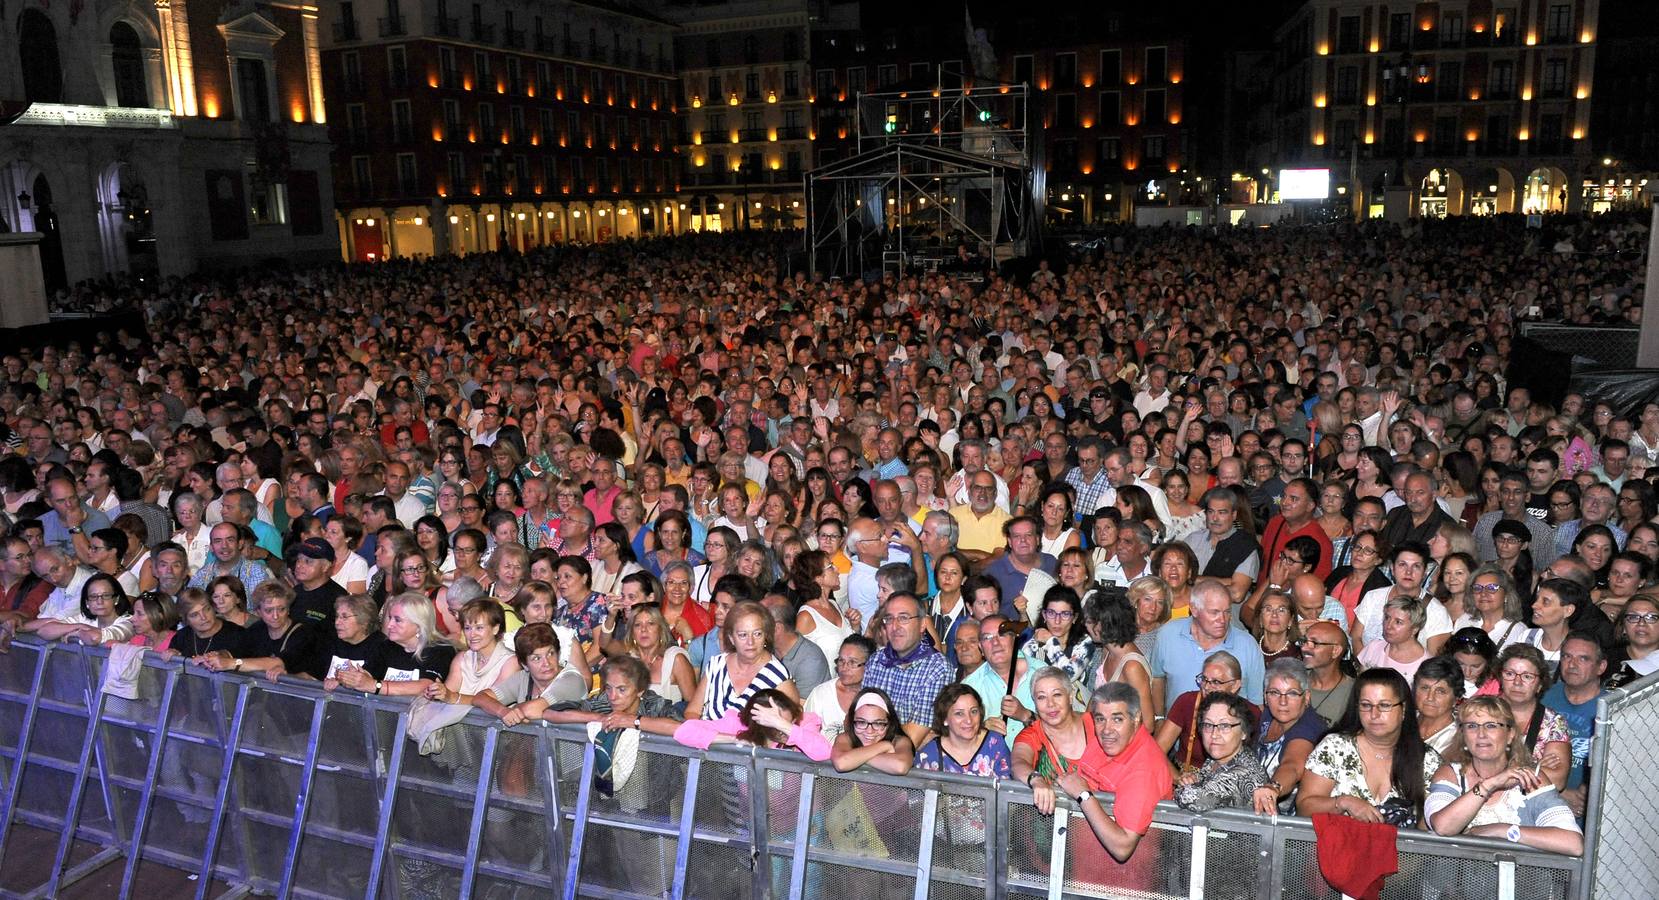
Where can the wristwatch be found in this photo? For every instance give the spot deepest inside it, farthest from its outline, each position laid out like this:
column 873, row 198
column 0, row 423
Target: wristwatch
column 1029, row 777
column 74, row 529
column 1513, row 835
column 1086, row 795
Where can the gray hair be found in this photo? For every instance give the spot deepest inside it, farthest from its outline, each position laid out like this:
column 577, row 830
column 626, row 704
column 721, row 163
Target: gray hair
column 1228, row 660
column 1054, row 672
column 1211, row 588
column 464, row 590
column 1113, row 692
column 690, row 572
column 946, row 524
column 1141, row 532
column 1293, row 669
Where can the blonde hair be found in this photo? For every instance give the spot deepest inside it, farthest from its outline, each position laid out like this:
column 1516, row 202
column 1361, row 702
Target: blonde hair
column 1497, row 708
column 421, row 613
column 1148, row 585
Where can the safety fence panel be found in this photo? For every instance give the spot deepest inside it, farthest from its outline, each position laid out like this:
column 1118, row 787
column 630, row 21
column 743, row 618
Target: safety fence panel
column 283, row 789
column 1622, row 837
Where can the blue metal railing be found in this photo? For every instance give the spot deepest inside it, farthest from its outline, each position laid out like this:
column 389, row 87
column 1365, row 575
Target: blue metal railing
column 284, row 789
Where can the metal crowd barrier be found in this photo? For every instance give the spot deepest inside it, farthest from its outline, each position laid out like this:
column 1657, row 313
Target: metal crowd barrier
column 282, row 789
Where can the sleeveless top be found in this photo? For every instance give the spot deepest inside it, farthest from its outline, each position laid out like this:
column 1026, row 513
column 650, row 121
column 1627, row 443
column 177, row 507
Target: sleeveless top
column 826, row 635
column 721, row 696
column 478, row 677
column 664, row 685
column 1053, row 547
column 1122, row 664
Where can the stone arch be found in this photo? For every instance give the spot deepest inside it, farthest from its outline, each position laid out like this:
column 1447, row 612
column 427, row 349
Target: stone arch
column 37, row 56
column 1440, row 193
column 1545, row 191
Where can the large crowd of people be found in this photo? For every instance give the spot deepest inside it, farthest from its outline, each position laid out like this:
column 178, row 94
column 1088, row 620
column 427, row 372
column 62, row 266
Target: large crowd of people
column 1241, row 518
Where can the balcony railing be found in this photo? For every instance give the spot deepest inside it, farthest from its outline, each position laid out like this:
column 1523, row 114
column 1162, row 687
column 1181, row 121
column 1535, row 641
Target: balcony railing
column 392, row 26
column 792, row 133
column 446, row 26
column 513, row 38
column 451, row 78
column 753, row 134
column 345, row 30
column 483, row 32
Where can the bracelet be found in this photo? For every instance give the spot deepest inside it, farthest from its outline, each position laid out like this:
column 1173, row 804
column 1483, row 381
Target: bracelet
column 1029, row 777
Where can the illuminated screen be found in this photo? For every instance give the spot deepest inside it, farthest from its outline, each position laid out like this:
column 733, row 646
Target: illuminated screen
column 1304, row 184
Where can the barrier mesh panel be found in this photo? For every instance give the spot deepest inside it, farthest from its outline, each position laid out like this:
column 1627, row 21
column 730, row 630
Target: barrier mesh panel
column 515, row 824
column 1626, row 863
column 626, row 860
column 57, row 737
column 17, row 674
column 714, row 868
column 832, row 880
column 337, row 847
column 869, row 820
column 1160, row 866
column 1029, row 840
column 1233, row 861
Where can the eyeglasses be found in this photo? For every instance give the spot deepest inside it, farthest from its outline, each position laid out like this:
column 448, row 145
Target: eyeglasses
column 1365, row 550
column 1273, row 694
column 1368, row 707
column 1488, row 727
column 465, row 507
column 1486, row 588
column 899, row 619
column 1522, row 677
column 1218, row 727
column 1059, row 615
column 460, row 549
column 412, row 570
column 1203, row 682
column 1641, row 618
column 844, row 663
column 870, row 724
column 103, row 596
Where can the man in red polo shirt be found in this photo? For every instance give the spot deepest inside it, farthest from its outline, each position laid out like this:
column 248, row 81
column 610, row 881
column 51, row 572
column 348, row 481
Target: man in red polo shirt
column 1135, row 772
column 1297, row 512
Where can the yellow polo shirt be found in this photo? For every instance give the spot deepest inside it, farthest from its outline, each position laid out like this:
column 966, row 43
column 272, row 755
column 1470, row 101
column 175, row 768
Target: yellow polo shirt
column 979, row 533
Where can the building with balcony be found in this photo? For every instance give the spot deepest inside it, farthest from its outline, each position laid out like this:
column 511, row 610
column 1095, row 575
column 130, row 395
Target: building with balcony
column 1457, row 107
column 746, row 138
column 502, row 124
column 1107, row 110
column 160, row 138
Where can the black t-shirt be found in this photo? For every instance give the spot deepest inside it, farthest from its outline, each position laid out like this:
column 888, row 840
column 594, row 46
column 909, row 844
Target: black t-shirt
column 1538, row 505
column 335, row 653
column 230, row 638
column 297, row 648
column 316, row 607
column 393, row 663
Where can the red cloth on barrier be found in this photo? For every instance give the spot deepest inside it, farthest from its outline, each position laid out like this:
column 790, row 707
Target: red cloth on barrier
column 1355, row 857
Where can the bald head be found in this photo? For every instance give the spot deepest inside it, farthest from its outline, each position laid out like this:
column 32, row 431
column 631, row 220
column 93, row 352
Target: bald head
column 1308, row 591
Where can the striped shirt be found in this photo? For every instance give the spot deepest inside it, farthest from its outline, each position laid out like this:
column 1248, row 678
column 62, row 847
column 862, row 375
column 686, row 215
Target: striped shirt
column 722, row 695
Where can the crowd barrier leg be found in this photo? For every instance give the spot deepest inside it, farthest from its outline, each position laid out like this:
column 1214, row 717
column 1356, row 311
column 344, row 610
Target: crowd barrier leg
column 388, row 798
column 231, row 745
column 760, row 852
column 803, row 835
column 578, row 832
column 924, row 847
column 302, row 803
column 152, row 769
column 553, row 811
column 20, row 762
column 688, row 824
column 77, row 793
column 480, row 806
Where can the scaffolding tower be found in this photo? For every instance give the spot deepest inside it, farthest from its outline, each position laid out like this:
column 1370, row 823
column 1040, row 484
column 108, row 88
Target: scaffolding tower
column 937, row 169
